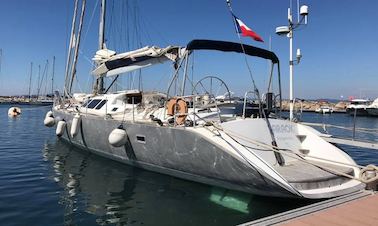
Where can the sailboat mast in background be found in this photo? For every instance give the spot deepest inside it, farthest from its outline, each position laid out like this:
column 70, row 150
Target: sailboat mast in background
column 52, row 77
column 30, row 80
column 1, row 58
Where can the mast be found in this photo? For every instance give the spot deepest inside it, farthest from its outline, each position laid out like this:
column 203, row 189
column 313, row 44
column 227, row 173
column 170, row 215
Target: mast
column 45, row 72
column 39, row 77
column 30, row 79
column 101, row 39
column 68, row 63
column 1, row 58
column 76, row 53
column 52, row 77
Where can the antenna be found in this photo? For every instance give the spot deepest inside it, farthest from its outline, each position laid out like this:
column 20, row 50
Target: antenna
column 304, row 12
column 289, row 32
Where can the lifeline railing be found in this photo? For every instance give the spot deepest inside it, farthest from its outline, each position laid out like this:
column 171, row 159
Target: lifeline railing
column 245, row 101
column 195, row 105
column 197, row 102
column 197, row 99
column 300, row 109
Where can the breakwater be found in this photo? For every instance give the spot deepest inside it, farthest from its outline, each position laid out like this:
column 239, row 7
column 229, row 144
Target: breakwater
column 312, row 105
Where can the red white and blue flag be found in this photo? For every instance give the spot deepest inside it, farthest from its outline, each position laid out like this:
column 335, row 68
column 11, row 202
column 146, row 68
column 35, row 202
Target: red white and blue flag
column 246, row 31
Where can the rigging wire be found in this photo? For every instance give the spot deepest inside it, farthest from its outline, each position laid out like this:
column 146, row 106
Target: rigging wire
column 67, row 34
column 90, row 22
column 244, row 54
column 46, row 74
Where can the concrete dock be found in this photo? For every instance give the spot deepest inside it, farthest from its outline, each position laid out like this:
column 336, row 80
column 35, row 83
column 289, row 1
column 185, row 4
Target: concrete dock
column 360, row 208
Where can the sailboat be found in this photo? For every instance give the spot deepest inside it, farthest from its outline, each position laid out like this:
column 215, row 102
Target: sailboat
column 40, row 100
column 181, row 132
column 358, row 107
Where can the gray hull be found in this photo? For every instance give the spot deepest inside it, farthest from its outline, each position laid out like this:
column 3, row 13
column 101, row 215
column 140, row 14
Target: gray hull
column 372, row 111
column 174, row 151
column 359, row 112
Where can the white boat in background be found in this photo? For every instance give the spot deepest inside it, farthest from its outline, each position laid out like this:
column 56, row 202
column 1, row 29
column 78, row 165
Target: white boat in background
column 358, row 107
column 372, row 109
column 182, row 132
column 324, row 109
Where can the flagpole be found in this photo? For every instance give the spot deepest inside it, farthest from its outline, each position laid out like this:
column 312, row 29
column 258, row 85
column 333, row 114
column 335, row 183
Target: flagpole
column 278, row 156
column 244, row 54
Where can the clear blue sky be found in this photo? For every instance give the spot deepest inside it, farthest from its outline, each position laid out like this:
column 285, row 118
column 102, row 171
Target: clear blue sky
column 339, row 45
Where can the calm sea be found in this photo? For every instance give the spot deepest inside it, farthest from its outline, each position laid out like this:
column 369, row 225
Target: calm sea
column 43, row 181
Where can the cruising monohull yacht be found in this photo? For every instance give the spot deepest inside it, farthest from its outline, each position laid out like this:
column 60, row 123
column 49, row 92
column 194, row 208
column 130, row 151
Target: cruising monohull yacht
column 372, row 109
column 182, row 132
column 358, row 107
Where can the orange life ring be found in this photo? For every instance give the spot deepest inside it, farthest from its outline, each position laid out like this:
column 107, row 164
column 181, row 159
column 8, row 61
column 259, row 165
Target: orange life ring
column 179, row 106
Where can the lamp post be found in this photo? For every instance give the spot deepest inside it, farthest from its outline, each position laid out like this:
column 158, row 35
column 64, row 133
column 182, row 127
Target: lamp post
column 289, row 32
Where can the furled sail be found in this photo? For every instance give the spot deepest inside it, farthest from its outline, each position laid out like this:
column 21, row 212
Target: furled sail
column 110, row 64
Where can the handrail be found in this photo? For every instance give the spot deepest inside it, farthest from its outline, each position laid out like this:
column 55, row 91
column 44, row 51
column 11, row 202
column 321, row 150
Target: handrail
column 194, row 107
column 301, row 107
column 245, row 101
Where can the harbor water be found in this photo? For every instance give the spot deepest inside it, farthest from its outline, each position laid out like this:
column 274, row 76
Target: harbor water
column 44, row 181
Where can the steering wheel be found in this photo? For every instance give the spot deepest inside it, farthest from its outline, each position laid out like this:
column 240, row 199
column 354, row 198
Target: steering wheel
column 213, row 88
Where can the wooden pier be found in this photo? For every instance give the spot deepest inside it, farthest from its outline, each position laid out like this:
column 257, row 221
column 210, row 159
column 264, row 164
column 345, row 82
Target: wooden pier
column 360, row 208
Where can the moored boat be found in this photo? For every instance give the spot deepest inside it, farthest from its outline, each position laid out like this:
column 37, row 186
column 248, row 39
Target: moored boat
column 358, row 107
column 182, row 131
column 372, row 109
column 324, row 109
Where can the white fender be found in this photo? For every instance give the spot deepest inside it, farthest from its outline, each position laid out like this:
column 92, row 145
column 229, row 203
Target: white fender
column 14, row 111
column 118, row 137
column 75, row 125
column 49, row 121
column 61, row 126
column 49, row 114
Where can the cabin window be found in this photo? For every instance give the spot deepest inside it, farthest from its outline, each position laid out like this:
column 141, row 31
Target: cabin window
column 136, row 96
column 93, row 103
column 114, row 109
column 86, row 103
column 101, row 104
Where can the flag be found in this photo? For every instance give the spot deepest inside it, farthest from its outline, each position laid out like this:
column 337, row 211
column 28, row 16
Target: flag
column 246, row 31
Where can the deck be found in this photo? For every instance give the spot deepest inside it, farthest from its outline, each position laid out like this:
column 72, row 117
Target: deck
column 360, row 208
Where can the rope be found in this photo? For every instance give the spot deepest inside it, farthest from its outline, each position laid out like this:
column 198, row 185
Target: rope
column 363, row 177
column 239, row 152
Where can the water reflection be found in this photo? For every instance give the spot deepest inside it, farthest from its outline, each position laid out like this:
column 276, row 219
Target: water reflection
column 117, row 194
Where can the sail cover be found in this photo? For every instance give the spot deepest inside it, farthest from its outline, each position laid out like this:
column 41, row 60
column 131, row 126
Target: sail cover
column 111, row 64
column 231, row 47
